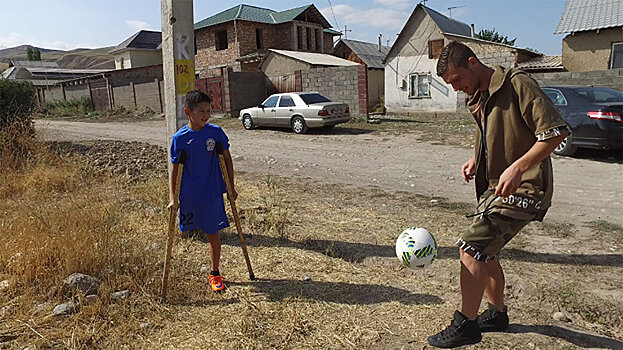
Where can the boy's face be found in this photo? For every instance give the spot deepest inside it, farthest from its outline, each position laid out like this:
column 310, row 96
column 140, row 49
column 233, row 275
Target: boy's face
column 199, row 115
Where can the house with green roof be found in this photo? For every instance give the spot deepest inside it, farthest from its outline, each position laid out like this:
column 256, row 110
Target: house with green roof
column 239, row 38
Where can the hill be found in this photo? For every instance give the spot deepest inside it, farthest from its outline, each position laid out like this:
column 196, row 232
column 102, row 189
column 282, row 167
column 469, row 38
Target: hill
column 77, row 58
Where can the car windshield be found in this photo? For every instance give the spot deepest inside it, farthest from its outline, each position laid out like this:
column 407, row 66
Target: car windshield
column 313, row 98
column 600, row 95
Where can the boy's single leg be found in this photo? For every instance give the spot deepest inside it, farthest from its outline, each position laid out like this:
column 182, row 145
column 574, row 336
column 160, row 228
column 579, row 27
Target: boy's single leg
column 474, row 278
column 215, row 249
column 215, row 279
column 495, row 284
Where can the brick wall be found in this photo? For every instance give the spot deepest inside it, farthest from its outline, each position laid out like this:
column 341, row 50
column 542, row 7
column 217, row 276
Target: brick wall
column 207, row 55
column 611, row 78
column 340, row 84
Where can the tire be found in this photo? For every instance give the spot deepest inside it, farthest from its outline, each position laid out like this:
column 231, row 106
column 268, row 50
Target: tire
column 298, row 125
column 565, row 148
column 247, row 122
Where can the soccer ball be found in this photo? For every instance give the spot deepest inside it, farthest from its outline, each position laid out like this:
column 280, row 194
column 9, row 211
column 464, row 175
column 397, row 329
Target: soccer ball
column 416, row 247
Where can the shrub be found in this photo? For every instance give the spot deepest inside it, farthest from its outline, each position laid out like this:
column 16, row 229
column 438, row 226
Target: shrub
column 17, row 100
column 67, row 108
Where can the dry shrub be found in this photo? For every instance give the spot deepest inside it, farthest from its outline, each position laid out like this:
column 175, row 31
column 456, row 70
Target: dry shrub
column 265, row 209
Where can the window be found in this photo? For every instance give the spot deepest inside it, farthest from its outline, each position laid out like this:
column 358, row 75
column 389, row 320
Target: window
column 313, row 98
column 420, row 85
column 221, row 40
column 271, row 102
column 258, row 38
column 286, row 101
column 599, row 95
column 556, row 96
column 434, row 48
column 616, row 60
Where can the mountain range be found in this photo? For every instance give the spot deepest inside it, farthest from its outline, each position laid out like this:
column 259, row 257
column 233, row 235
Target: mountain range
column 77, row 58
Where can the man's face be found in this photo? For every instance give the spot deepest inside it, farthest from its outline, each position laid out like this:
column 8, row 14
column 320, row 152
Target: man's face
column 199, row 115
column 462, row 79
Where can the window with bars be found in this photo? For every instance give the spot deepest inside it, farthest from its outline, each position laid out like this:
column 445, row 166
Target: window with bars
column 419, row 86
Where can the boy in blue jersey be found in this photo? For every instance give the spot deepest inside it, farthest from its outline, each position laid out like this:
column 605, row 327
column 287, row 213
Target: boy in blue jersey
column 201, row 192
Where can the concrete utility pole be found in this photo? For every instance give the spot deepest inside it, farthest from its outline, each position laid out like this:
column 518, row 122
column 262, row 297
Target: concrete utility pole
column 178, row 60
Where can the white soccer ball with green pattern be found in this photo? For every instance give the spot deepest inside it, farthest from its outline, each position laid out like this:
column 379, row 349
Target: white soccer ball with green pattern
column 416, row 247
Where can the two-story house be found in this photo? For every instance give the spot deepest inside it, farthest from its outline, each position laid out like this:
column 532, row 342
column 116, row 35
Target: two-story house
column 240, row 37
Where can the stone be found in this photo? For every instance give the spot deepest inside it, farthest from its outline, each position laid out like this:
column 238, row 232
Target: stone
column 559, row 316
column 84, row 283
column 64, row 309
column 205, row 269
column 4, row 285
column 91, row 299
column 121, row 295
column 307, row 279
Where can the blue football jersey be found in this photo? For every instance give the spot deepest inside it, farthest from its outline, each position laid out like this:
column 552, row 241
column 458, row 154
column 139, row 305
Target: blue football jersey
column 201, row 178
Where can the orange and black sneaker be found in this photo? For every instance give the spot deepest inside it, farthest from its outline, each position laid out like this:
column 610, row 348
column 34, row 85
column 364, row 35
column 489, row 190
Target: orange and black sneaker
column 216, row 283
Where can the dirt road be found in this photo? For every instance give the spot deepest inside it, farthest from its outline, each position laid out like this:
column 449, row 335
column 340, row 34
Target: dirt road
column 585, row 190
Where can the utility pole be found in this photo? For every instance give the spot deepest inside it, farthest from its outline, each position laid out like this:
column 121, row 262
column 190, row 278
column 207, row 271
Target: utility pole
column 178, row 60
column 345, row 31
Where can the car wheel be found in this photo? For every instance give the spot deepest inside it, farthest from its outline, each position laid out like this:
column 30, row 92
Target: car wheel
column 565, row 148
column 298, row 125
column 247, row 122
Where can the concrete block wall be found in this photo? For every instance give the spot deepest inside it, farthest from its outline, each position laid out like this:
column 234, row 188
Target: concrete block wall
column 76, row 92
column 124, row 96
column 611, row 78
column 54, row 93
column 245, row 89
column 340, row 84
column 147, row 95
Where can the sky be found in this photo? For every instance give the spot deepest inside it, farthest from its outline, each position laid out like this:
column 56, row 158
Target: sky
column 70, row 24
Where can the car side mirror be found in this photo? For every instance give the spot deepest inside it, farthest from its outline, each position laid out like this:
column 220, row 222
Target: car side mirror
column 261, row 106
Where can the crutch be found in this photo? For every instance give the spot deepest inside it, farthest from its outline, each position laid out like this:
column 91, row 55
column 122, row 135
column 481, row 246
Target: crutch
column 232, row 202
column 171, row 236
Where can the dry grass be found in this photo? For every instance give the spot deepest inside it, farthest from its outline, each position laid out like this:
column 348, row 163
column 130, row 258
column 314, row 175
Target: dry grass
column 323, row 255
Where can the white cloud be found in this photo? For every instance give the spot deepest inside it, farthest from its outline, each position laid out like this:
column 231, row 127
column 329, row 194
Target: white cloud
column 138, row 25
column 376, row 17
column 15, row 39
column 397, row 4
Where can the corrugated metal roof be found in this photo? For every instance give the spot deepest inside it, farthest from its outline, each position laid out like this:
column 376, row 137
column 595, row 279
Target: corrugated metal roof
column 259, row 14
column 317, row 59
column 583, row 15
column 368, row 52
column 143, row 40
column 34, row 64
column 553, row 62
column 447, row 24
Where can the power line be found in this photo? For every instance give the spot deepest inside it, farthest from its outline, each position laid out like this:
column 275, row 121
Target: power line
column 335, row 18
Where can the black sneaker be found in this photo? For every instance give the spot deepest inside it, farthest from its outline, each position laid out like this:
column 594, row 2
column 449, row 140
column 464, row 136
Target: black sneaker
column 491, row 320
column 461, row 331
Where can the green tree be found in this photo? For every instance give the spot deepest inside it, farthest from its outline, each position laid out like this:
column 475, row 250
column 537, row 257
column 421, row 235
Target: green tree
column 33, row 54
column 494, row 36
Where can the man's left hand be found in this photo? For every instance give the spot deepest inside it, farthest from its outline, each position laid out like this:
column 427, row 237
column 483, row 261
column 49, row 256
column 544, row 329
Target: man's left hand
column 509, row 182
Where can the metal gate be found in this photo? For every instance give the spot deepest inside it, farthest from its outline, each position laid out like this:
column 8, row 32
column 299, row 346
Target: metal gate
column 99, row 95
column 214, row 88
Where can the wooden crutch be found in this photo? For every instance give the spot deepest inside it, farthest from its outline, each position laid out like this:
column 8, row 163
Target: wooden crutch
column 232, row 202
column 171, row 236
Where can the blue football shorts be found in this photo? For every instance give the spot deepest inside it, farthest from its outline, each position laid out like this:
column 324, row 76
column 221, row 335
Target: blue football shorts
column 208, row 216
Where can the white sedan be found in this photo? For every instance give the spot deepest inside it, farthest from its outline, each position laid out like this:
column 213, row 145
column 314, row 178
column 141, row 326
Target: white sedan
column 297, row 110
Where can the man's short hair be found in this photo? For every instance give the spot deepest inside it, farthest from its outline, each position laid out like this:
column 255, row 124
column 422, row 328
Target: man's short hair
column 195, row 97
column 455, row 54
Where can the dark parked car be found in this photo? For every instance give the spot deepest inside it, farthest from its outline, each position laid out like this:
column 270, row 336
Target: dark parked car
column 594, row 115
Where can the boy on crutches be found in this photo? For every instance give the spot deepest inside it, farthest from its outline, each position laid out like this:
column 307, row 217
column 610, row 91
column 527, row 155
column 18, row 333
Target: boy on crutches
column 200, row 197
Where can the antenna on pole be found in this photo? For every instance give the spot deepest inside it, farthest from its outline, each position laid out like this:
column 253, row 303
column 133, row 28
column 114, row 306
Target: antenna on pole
column 423, row 2
column 453, row 7
column 345, row 32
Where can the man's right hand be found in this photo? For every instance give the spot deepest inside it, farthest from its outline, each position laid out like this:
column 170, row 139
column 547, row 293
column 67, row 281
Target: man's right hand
column 467, row 170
